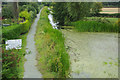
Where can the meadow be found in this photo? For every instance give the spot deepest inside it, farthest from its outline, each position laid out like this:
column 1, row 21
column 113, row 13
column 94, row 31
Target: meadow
column 112, row 20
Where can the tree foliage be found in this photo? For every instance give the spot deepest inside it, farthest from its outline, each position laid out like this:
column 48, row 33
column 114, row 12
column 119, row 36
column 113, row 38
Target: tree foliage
column 6, row 12
column 66, row 12
column 97, row 6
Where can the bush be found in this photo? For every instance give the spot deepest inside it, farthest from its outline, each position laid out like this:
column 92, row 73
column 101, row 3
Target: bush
column 22, row 8
column 25, row 26
column 28, row 8
column 6, row 21
column 7, row 12
column 11, row 60
column 25, row 15
column 13, row 31
column 35, row 5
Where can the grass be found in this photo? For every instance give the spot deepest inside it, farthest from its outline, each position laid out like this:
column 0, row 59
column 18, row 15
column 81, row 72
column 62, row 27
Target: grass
column 112, row 20
column 94, row 26
column 53, row 60
column 24, row 43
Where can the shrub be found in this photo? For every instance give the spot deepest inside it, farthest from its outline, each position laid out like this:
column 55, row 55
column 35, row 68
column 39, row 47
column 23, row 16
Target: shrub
column 15, row 30
column 25, row 15
column 11, row 32
column 30, row 8
column 11, row 60
column 6, row 21
column 7, row 12
column 35, row 5
column 23, row 8
column 25, row 26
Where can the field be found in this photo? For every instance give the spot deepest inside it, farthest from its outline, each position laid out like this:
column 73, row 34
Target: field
column 112, row 20
column 109, row 10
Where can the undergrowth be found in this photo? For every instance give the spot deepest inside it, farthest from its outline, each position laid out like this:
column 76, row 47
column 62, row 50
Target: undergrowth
column 53, row 60
column 95, row 26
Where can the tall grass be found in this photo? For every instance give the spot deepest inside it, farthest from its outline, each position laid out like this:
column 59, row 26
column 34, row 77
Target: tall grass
column 53, row 60
column 94, row 26
column 112, row 20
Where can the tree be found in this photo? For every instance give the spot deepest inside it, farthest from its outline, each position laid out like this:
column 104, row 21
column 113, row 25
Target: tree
column 97, row 6
column 14, row 8
column 78, row 10
column 60, row 12
column 35, row 5
column 70, row 11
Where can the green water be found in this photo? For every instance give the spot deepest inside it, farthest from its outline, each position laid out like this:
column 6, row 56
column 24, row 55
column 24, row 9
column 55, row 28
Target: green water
column 92, row 55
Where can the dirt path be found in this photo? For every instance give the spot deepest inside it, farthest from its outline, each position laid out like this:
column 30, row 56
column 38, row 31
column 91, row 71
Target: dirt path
column 31, row 70
column 92, row 55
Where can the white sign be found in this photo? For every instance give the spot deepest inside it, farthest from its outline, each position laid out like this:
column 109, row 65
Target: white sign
column 13, row 44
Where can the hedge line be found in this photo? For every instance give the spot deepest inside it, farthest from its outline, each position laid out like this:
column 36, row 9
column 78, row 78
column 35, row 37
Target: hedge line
column 15, row 30
column 117, row 15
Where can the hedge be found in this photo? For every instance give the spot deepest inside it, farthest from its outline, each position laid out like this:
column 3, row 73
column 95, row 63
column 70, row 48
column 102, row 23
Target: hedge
column 117, row 15
column 13, row 31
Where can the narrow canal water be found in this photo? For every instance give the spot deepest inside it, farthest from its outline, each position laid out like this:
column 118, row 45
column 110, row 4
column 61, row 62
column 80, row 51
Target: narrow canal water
column 31, row 70
column 92, row 55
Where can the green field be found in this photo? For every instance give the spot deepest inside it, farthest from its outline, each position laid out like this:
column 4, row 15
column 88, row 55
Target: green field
column 113, row 20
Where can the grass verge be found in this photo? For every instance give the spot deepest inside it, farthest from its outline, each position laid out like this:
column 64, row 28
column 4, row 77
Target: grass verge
column 53, row 60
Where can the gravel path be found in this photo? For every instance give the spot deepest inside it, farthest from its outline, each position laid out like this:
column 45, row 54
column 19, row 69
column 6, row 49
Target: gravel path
column 31, row 70
column 92, row 55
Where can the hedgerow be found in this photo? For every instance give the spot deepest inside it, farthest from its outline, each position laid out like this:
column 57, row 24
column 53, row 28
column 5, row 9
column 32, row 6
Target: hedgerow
column 13, row 31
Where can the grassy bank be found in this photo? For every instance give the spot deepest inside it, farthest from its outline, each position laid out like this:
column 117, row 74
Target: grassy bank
column 53, row 60
column 95, row 26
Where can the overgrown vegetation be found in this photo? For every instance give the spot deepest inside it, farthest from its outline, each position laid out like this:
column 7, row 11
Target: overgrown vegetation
column 13, row 60
column 53, row 60
column 72, row 11
column 95, row 26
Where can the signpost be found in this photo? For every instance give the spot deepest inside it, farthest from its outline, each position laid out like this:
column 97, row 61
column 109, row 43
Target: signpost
column 13, row 44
